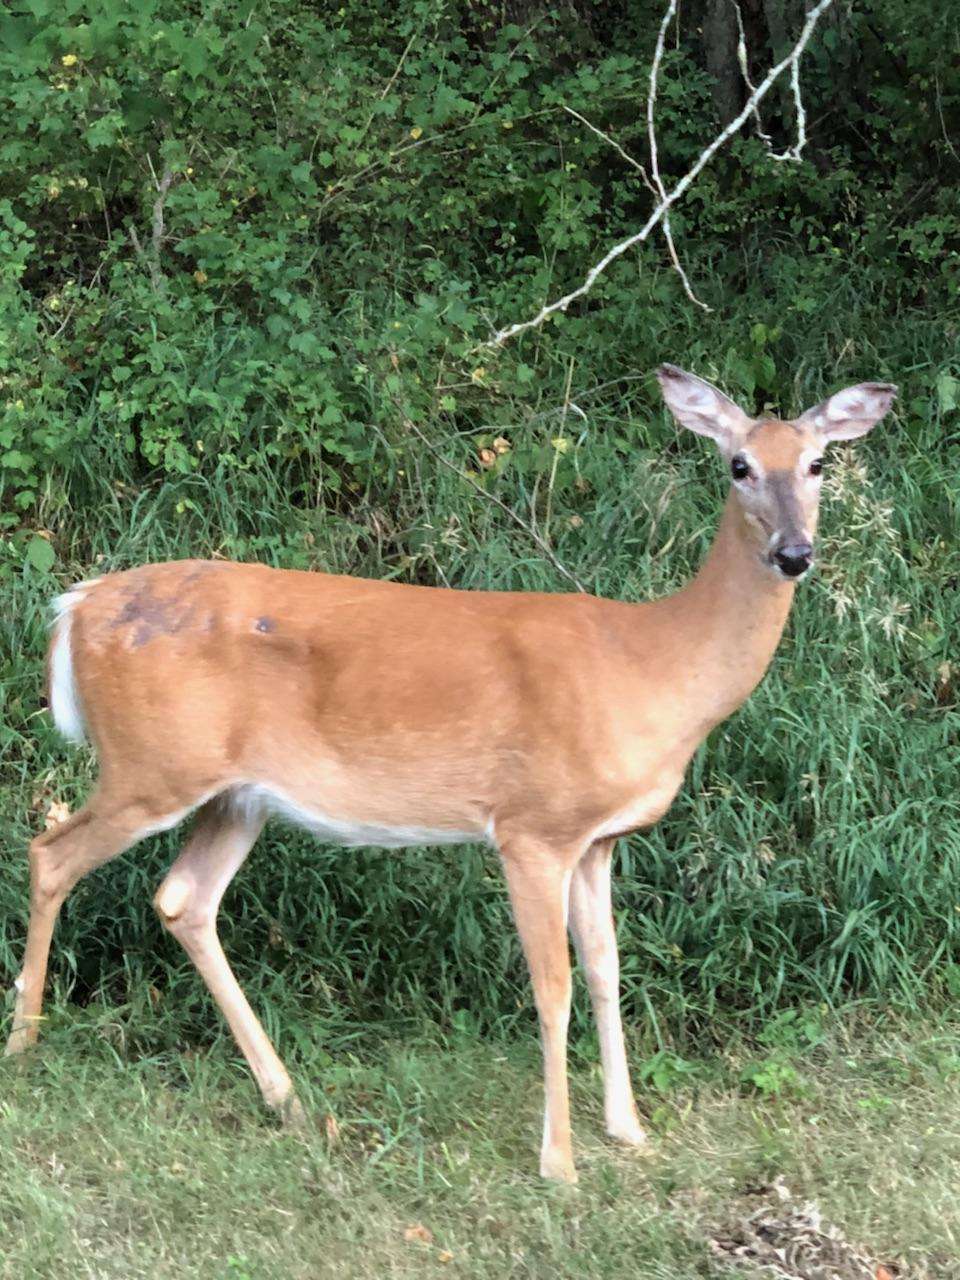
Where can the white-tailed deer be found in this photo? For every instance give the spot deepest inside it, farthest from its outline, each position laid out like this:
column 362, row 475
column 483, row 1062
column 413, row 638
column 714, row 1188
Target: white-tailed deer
column 378, row 713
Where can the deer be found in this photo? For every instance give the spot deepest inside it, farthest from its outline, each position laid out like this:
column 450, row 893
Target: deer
column 391, row 714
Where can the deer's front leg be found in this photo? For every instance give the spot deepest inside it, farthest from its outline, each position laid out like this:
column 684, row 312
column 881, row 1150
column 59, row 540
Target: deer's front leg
column 539, row 883
column 591, row 923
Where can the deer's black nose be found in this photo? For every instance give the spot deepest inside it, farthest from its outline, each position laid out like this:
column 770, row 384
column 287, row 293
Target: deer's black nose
column 794, row 559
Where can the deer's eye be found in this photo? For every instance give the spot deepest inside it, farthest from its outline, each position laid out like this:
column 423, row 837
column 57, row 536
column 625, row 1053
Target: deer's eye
column 816, row 466
column 739, row 468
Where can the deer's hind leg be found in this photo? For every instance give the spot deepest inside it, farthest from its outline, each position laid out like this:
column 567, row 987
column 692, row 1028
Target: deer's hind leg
column 187, row 903
column 106, row 826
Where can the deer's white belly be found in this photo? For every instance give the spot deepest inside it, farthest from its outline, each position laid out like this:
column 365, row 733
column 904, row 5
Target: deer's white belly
column 255, row 798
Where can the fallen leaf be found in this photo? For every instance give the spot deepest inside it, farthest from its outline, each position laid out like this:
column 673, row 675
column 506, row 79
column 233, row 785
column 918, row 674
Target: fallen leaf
column 446, row 1256
column 418, row 1234
column 57, row 812
column 331, row 1129
column 38, row 800
column 487, row 457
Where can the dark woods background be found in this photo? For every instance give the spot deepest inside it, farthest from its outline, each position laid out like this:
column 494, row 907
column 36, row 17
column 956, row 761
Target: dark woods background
column 249, row 254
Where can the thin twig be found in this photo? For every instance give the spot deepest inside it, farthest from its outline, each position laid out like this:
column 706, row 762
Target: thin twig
column 498, row 502
column 73, row 306
column 375, row 167
column 668, row 235
column 387, row 87
column 943, row 123
column 654, row 159
column 616, row 146
column 398, row 68
column 503, row 335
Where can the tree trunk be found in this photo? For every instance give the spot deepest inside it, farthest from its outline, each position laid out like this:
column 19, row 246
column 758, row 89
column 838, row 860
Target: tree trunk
column 720, row 50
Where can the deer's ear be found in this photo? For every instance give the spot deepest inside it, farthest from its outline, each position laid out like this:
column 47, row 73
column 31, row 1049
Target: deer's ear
column 851, row 412
column 702, row 408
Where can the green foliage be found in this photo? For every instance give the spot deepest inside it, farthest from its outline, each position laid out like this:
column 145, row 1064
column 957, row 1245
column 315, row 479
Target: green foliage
column 246, row 237
column 245, row 250
column 667, row 1071
column 772, row 1076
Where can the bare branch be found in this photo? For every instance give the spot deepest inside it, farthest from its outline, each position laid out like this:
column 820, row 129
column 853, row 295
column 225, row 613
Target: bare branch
column 663, row 207
column 793, row 153
column 668, row 236
column 163, row 186
column 745, row 72
column 156, row 275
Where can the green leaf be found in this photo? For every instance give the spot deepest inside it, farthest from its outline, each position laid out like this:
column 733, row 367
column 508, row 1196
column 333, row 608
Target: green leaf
column 20, row 461
column 947, row 387
column 40, row 554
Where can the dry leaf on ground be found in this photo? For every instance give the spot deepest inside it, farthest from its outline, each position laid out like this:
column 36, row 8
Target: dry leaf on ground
column 58, row 811
column 418, row 1234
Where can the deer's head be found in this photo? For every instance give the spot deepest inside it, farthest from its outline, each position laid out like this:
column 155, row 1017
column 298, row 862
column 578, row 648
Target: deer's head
column 775, row 466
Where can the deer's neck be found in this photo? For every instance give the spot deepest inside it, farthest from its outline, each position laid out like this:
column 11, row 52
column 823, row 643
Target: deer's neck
column 724, row 627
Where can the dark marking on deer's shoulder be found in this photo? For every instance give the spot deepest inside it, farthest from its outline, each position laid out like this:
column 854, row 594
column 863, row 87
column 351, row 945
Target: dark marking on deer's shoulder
column 150, row 614
column 265, row 625
column 202, row 570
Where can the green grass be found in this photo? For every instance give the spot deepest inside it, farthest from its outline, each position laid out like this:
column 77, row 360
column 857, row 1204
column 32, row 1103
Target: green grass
column 120, row 1166
column 813, row 854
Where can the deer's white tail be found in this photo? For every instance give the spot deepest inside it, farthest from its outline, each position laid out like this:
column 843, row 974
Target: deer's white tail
column 65, row 701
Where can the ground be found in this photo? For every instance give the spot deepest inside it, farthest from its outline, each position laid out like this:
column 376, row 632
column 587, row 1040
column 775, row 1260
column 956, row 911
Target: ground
column 420, row 1160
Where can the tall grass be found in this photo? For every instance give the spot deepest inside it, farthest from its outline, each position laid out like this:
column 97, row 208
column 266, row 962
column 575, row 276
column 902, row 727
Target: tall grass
column 814, row 851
